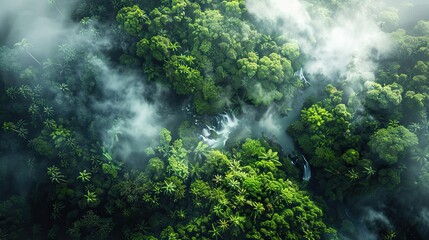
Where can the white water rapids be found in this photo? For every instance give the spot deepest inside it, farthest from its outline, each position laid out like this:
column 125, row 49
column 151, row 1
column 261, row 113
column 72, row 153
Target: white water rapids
column 217, row 138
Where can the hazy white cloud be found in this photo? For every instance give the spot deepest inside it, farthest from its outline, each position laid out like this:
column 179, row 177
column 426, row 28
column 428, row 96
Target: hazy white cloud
column 349, row 41
column 39, row 22
column 373, row 217
column 131, row 117
column 292, row 14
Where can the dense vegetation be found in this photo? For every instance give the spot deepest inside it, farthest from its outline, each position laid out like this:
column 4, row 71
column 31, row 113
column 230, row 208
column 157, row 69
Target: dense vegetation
column 94, row 144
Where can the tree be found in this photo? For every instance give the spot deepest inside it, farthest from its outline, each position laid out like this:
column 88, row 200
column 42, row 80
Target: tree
column 54, row 3
column 155, row 168
column 91, row 226
column 131, row 19
column 248, row 66
column 383, row 97
column 158, row 47
column 390, row 142
column 316, row 117
column 24, row 45
column 422, row 28
column 200, row 151
column 90, row 196
column 55, row 174
column 388, row 20
column 351, row 157
column 232, row 8
column 274, row 68
column 19, row 128
column 421, row 154
column 181, row 73
column 272, row 156
column 290, row 50
column 84, row 176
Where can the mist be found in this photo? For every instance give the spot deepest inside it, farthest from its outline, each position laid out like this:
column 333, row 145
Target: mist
column 137, row 119
column 38, row 22
column 349, row 40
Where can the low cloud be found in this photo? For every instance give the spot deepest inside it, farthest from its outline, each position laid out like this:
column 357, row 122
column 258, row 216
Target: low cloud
column 351, row 40
column 130, row 121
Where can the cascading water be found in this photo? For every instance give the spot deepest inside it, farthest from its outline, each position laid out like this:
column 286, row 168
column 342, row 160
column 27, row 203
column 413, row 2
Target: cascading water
column 300, row 74
column 307, row 170
column 217, row 138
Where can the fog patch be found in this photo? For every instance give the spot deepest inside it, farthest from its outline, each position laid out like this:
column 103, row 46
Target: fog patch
column 348, row 41
column 129, row 121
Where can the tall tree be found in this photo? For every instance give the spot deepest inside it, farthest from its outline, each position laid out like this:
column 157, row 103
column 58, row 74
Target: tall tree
column 24, row 45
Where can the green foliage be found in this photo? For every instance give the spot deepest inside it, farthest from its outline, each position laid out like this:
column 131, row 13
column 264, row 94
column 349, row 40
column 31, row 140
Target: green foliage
column 60, row 136
column 270, row 156
column 274, row 68
column 390, row 177
column 383, row 97
column 19, row 128
column 351, row 156
column 131, row 19
column 290, row 50
column 91, row 226
column 158, row 47
column 184, row 78
column 249, row 66
column 316, row 117
column 252, row 148
column 55, row 174
column 84, row 176
column 390, row 142
column 110, row 168
column 177, row 161
column 90, row 196
column 42, row 145
column 187, row 131
column 263, row 93
column 155, row 168
column 422, row 28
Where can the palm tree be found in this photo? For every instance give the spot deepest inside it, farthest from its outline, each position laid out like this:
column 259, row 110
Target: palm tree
column 24, row 45
column 200, row 150
column 223, row 224
column 169, row 187
column 180, row 214
column 90, row 196
column 18, row 128
column 258, row 209
column 215, row 231
column 84, row 176
column 369, row 171
column 414, row 127
column 55, row 174
column 237, row 221
column 174, row 46
column 54, row 3
column 390, row 235
column 271, row 156
column 421, row 155
column 218, row 210
column 352, row 174
column 308, row 234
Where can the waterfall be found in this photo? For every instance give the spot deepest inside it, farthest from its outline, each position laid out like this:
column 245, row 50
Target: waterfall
column 307, row 170
column 299, row 74
column 217, row 138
